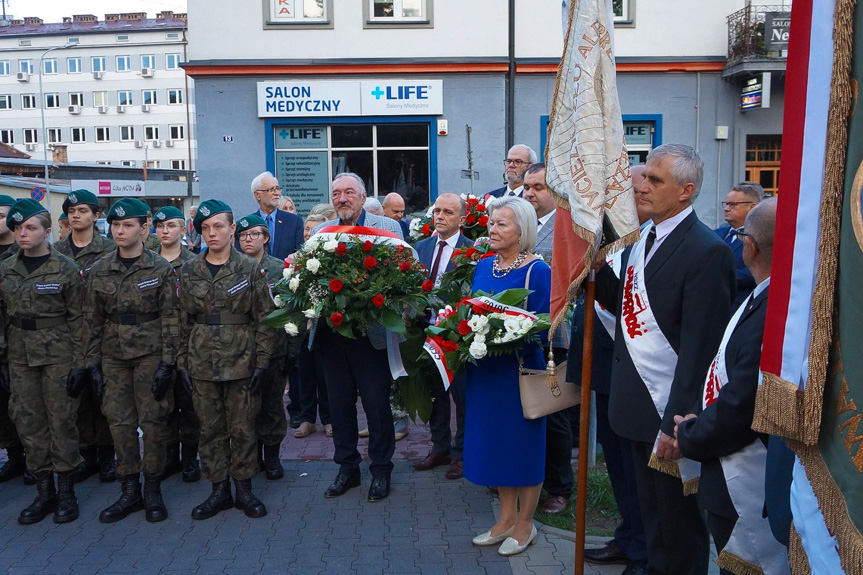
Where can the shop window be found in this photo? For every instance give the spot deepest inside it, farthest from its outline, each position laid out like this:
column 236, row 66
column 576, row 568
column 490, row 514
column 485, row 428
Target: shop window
column 763, row 156
column 413, row 13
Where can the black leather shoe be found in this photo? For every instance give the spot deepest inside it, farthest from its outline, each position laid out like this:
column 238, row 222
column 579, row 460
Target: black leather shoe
column 380, row 489
column 45, row 502
column 341, row 484
column 191, row 467
column 67, row 503
column 246, row 500
column 611, row 553
column 130, row 500
column 433, row 460
column 153, row 503
column 272, row 463
column 219, row 500
column 635, row 569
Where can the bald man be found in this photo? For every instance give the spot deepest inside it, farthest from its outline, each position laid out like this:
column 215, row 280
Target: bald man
column 394, row 207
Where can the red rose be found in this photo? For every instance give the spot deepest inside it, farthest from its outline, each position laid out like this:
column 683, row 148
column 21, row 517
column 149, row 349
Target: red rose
column 449, row 346
column 368, row 246
column 336, row 319
column 463, row 327
column 456, row 253
column 438, row 340
column 470, row 219
column 405, row 266
column 400, row 249
column 428, row 285
column 370, row 263
column 427, row 230
column 483, row 220
column 480, row 208
column 488, row 255
column 473, row 201
column 471, row 252
column 336, row 286
column 341, row 249
column 378, row 300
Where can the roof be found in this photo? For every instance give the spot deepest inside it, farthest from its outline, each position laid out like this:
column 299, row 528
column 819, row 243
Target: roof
column 89, row 24
column 7, row 151
column 58, row 186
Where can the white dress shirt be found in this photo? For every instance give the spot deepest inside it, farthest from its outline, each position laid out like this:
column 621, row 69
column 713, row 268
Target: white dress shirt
column 516, row 192
column 445, row 256
column 664, row 228
column 543, row 220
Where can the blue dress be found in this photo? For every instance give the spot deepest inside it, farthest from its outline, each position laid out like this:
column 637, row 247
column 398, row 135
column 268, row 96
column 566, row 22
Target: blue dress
column 501, row 447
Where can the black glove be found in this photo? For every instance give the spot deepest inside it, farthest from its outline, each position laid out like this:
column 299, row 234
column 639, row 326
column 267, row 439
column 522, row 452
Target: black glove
column 75, row 381
column 257, row 381
column 162, row 380
column 185, row 379
column 97, row 381
column 5, row 379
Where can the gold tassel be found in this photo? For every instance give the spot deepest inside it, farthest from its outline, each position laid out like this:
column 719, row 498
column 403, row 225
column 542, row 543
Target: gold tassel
column 550, row 372
column 664, row 466
column 737, row 565
column 690, row 487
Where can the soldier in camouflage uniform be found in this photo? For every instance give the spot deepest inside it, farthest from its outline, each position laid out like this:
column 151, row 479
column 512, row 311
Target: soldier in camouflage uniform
column 85, row 246
column 183, row 425
column 41, row 292
column 224, row 355
column 130, row 337
column 272, row 424
column 151, row 240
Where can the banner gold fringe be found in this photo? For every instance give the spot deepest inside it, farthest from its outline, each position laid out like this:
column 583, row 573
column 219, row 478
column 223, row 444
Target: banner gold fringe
column 663, row 465
column 797, row 559
column 737, row 565
column 778, row 408
column 690, row 486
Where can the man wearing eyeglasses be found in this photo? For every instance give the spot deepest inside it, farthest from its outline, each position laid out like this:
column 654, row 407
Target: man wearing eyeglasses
column 518, row 160
column 737, row 205
column 286, row 229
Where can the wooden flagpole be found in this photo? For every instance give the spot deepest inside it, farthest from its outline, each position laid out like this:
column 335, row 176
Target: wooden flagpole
column 584, row 425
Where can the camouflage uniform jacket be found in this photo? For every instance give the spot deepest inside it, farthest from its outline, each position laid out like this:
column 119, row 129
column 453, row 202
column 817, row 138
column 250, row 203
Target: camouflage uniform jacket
column 273, row 267
column 13, row 249
column 50, row 294
column 152, row 242
column 232, row 346
column 88, row 255
column 185, row 255
column 132, row 312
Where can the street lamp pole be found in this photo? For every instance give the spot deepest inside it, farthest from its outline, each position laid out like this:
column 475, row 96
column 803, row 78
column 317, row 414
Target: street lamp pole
column 44, row 126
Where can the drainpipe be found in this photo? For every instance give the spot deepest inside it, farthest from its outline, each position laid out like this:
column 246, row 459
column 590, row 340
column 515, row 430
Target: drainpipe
column 510, row 81
column 189, row 134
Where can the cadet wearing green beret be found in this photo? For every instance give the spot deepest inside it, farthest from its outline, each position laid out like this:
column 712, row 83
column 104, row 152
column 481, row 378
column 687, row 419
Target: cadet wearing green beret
column 224, row 355
column 183, row 425
column 40, row 306
column 130, row 341
column 85, row 246
column 9, row 439
column 271, row 424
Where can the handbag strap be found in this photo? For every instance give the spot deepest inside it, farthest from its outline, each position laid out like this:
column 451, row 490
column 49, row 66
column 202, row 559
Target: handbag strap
column 527, row 279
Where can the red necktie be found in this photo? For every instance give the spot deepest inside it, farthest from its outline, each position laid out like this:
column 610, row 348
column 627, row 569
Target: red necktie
column 436, row 265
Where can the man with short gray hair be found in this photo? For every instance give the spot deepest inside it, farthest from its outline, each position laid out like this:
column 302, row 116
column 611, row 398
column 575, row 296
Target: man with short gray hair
column 192, row 235
column 518, row 160
column 286, row 229
column 738, row 203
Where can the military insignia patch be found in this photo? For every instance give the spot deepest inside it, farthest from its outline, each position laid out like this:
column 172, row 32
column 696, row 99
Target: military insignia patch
column 244, row 222
column 120, row 212
column 73, row 199
column 205, row 210
column 160, row 216
column 18, row 217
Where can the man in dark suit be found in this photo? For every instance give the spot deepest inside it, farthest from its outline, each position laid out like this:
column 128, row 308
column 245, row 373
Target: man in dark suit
column 518, row 160
column 680, row 283
column 738, row 203
column 435, row 253
column 286, row 229
column 722, row 428
column 394, row 208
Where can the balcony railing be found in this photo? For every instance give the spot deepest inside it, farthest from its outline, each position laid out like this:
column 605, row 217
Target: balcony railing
column 746, row 35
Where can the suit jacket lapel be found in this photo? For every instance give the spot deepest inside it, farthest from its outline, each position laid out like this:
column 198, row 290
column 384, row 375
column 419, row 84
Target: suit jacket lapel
column 669, row 245
column 752, row 307
column 546, row 229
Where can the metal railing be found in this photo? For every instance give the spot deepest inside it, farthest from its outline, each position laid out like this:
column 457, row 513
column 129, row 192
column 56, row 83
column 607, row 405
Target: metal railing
column 746, row 34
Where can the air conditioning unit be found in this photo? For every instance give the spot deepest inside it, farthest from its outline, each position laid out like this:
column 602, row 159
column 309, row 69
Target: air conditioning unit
column 156, row 143
column 169, row 143
column 23, row 76
column 75, row 109
column 98, row 75
column 30, row 147
column 121, row 109
column 103, row 109
column 147, row 72
column 145, row 107
column 139, row 144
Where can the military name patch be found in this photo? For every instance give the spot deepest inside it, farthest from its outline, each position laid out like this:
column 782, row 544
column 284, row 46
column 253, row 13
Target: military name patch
column 148, row 283
column 47, row 288
column 238, row 288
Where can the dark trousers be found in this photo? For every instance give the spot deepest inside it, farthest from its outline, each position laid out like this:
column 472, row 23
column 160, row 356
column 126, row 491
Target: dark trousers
column 294, row 402
column 183, row 425
column 721, row 528
column 351, row 367
column 441, row 413
column 558, row 455
column 629, row 535
column 312, row 387
column 8, row 434
column 677, row 540
column 271, row 425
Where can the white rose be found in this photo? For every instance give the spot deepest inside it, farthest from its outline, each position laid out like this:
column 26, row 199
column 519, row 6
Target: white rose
column 278, row 301
column 526, row 324
column 477, row 350
column 313, row 265
column 512, row 325
column 288, row 272
column 477, row 323
column 479, row 338
column 310, row 313
column 294, row 283
column 329, row 246
column 291, row 328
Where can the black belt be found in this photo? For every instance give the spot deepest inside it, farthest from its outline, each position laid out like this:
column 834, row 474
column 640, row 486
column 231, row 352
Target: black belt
column 222, row 318
column 29, row 324
column 132, row 318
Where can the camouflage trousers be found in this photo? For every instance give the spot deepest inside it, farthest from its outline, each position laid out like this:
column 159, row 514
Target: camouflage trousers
column 8, row 434
column 271, row 425
column 128, row 405
column 228, row 446
column 183, row 424
column 44, row 415
column 93, row 428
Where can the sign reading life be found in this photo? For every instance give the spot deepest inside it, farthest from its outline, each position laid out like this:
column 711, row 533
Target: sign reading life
column 346, row 98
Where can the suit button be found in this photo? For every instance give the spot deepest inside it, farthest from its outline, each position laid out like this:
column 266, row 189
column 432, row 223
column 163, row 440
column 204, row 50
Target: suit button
column 616, row 360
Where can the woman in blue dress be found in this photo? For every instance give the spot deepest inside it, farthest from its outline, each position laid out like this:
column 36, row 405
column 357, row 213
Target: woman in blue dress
column 501, row 447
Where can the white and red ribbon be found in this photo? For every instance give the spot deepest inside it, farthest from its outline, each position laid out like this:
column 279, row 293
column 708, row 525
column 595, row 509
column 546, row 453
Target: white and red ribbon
column 489, row 305
column 438, row 356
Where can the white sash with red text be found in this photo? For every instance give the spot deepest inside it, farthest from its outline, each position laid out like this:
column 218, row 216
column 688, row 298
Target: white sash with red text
column 717, row 375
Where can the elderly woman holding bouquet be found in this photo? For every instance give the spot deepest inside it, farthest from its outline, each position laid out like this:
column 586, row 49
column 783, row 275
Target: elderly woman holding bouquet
column 501, row 447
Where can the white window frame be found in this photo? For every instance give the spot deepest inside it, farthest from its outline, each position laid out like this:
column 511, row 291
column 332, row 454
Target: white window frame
column 5, row 68
column 74, row 65
column 31, row 135
column 25, row 65
column 153, row 164
column 130, row 133
column 7, row 136
column 178, row 164
column 25, row 98
column 122, row 38
column 55, row 135
column 128, row 163
column 76, row 98
column 79, row 135
column 177, row 94
column 179, row 130
column 154, row 135
column 148, row 61
column 172, row 36
column 99, row 135
column 275, row 19
column 626, row 18
column 102, row 67
column 100, row 95
column 153, row 100
column 129, row 102
column 50, row 66
column 52, row 96
column 422, row 21
column 173, row 56
column 5, row 101
column 126, row 65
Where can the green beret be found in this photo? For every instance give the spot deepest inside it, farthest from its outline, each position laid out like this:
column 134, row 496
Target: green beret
column 168, row 213
column 251, row 221
column 126, row 208
column 144, row 205
column 207, row 210
column 7, row 200
column 22, row 211
column 63, row 217
column 78, row 198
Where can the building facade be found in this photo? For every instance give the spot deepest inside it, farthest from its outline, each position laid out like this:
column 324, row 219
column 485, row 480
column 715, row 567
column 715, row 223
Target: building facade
column 113, row 91
column 425, row 96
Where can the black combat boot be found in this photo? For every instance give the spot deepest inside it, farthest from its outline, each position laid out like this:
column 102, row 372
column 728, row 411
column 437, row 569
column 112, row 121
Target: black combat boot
column 153, row 504
column 272, row 463
column 107, row 464
column 191, row 467
column 246, row 500
column 45, row 502
column 90, row 465
column 15, row 465
column 219, row 500
column 67, row 503
column 129, row 502
column 172, row 465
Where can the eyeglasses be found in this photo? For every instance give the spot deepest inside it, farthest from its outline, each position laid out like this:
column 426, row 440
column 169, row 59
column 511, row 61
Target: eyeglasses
column 741, row 234
column 733, row 205
column 507, row 161
column 274, row 189
column 249, row 235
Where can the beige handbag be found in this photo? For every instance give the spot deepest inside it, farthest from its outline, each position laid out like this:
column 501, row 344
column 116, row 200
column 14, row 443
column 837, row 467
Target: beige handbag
column 545, row 391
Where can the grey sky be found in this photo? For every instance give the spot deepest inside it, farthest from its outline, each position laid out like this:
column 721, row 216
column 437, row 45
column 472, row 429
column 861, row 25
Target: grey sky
column 54, row 10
